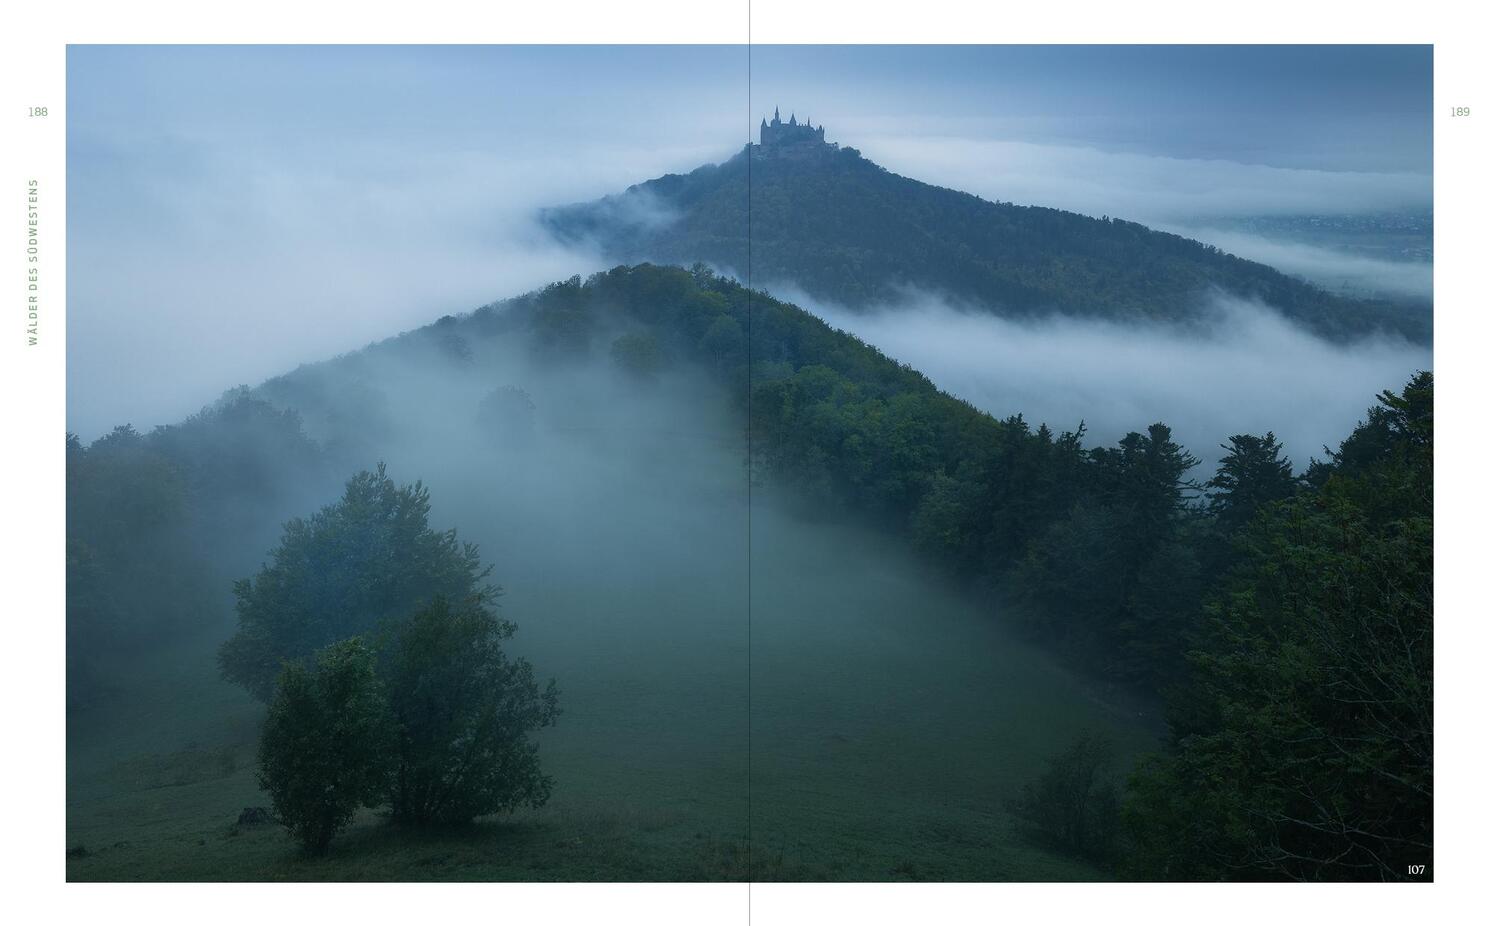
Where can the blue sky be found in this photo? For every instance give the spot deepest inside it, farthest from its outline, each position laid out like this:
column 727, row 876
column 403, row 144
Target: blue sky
column 234, row 211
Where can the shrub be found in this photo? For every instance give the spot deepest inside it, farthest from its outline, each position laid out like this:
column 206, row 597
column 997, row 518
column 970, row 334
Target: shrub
column 463, row 712
column 1074, row 807
column 325, row 749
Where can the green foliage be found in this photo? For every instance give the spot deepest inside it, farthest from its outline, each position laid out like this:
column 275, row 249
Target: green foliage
column 1073, row 580
column 724, row 343
column 122, row 491
column 464, row 712
column 562, row 328
column 637, row 355
column 239, row 453
column 325, row 749
column 1117, row 580
column 143, row 513
column 1074, row 806
column 846, row 230
column 441, row 732
column 1254, row 474
column 367, row 558
column 134, row 569
column 1303, row 745
column 141, row 510
column 451, row 345
column 1386, row 464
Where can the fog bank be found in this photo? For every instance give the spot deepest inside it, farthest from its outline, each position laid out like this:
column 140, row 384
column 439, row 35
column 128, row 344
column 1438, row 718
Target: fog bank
column 1251, row 371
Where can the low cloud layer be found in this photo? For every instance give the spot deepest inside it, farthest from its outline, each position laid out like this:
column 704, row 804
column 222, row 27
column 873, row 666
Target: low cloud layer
column 1141, row 187
column 1252, row 372
column 237, row 211
column 287, row 263
column 1336, row 270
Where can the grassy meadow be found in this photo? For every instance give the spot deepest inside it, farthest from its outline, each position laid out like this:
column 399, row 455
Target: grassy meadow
column 889, row 725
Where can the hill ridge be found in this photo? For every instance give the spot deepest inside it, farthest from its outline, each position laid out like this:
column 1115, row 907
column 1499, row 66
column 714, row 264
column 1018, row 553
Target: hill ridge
column 844, row 229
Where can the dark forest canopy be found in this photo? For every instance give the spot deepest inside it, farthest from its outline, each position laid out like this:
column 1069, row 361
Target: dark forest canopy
column 1302, row 740
column 846, row 230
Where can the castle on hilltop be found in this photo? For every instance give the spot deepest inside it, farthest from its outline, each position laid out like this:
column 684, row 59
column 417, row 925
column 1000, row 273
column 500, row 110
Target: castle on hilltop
column 776, row 132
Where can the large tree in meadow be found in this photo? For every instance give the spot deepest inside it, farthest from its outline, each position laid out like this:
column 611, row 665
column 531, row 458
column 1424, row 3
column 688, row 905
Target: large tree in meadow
column 368, row 558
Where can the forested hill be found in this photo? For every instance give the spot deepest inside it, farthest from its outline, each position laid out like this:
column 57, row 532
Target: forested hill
column 1287, row 617
column 844, row 229
column 1097, row 543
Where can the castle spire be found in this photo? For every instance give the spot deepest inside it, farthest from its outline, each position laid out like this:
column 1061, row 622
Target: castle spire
column 776, row 119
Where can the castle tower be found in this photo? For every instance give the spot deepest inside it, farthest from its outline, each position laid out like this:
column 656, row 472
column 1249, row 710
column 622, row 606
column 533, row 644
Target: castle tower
column 792, row 136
